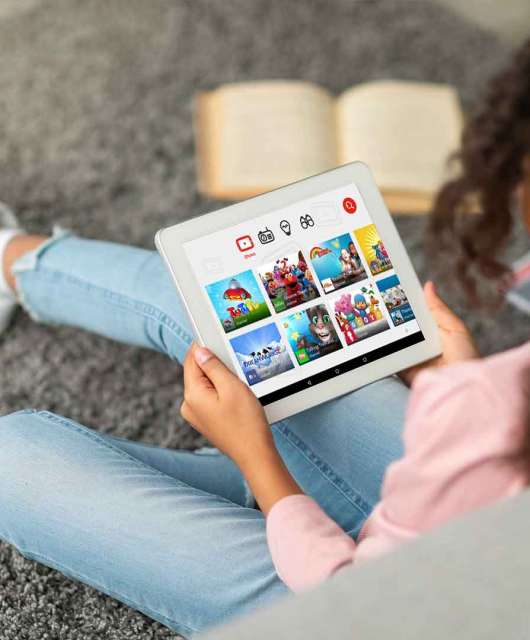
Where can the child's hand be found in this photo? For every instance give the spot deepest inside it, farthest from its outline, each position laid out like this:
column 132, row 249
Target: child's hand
column 226, row 411
column 457, row 343
column 219, row 405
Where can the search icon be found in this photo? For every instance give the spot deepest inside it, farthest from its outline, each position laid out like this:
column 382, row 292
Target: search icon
column 349, row 205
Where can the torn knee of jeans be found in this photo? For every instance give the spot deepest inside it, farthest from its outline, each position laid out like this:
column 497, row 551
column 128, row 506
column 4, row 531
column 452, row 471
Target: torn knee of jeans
column 29, row 262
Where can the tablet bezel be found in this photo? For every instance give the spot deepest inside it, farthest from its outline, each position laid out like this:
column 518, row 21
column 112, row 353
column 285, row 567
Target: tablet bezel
column 170, row 241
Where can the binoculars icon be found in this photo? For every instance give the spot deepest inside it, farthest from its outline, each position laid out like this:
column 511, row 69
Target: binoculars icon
column 306, row 221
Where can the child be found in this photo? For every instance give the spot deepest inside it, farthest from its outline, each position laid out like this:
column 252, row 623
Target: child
column 151, row 526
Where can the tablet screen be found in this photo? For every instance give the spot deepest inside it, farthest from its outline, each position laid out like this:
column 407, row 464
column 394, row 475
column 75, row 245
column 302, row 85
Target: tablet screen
column 303, row 294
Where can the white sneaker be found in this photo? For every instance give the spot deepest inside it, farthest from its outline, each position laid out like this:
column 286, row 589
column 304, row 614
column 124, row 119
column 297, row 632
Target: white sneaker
column 8, row 229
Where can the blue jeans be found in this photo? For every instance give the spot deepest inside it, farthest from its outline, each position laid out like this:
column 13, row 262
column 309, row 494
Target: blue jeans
column 171, row 533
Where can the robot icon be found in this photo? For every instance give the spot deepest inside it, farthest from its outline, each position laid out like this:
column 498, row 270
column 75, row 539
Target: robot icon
column 266, row 236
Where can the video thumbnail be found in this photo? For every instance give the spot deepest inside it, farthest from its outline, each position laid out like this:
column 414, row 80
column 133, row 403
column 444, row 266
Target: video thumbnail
column 358, row 314
column 337, row 263
column 288, row 282
column 373, row 249
column 261, row 354
column 238, row 301
column 311, row 333
column 395, row 300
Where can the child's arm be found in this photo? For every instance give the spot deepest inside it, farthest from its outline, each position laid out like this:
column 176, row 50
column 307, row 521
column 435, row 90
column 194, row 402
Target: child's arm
column 306, row 545
column 464, row 429
column 463, row 426
column 224, row 409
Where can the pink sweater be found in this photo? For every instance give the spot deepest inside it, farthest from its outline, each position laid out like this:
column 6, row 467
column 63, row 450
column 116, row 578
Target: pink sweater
column 462, row 423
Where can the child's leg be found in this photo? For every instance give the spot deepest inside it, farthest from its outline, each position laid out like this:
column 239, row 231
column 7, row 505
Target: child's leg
column 338, row 451
column 74, row 501
column 120, row 292
column 206, row 469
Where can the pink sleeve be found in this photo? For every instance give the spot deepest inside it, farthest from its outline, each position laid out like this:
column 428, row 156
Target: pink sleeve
column 463, row 424
column 458, row 438
column 306, row 545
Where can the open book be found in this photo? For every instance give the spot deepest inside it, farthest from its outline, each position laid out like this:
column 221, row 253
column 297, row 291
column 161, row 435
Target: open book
column 256, row 136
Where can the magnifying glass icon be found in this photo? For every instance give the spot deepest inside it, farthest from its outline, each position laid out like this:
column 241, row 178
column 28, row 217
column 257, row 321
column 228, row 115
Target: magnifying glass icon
column 349, row 205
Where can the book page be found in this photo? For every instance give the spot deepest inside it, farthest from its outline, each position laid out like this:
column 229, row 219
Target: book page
column 263, row 135
column 404, row 131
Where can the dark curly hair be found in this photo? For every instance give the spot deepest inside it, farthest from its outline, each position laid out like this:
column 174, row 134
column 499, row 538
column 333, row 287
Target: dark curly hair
column 472, row 216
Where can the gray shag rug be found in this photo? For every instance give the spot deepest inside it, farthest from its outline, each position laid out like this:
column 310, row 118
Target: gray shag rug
column 95, row 134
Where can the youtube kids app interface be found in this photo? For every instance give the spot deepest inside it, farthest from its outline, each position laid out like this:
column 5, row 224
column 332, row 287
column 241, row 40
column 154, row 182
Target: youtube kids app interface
column 288, row 281
column 311, row 333
column 358, row 313
column 304, row 293
column 337, row 263
column 237, row 301
column 373, row 249
column 261, row 353
column 395, row 300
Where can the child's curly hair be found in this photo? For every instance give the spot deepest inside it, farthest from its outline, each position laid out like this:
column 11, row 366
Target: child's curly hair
column 495, row 144
column 495, row 159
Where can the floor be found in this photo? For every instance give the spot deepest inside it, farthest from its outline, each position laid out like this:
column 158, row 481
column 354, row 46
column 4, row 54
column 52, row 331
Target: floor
column 509, row 19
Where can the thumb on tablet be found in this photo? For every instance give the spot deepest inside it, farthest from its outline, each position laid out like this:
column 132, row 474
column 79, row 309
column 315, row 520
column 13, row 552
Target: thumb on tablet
column 212, row 367
column 445, row 317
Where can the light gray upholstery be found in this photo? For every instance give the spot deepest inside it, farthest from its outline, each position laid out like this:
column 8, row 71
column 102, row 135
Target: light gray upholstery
column 469, row 580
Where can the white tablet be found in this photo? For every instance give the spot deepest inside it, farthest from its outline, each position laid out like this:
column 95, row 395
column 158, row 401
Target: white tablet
column 305, row 292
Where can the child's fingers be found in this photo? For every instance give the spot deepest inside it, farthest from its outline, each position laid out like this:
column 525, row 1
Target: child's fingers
column 214, row 369
column 433, row 299
column 434, row 302
column 194, row 377
column 187, row 413
column 445, row 317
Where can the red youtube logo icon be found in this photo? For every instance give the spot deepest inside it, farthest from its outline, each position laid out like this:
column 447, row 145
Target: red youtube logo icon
column 349, row 205
column 245, row 243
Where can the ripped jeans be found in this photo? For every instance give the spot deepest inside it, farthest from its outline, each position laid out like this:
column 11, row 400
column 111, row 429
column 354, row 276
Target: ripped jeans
column 173, row 534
